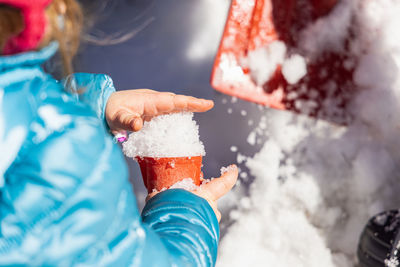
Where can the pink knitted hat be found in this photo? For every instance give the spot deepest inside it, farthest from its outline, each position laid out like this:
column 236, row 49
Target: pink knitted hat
column 33, row 12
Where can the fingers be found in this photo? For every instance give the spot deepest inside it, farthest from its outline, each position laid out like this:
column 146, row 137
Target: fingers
column 189, row 103
column 137, row 124
column 126, row 110
column 163, row 103
column 144, row 91
column 125, row 120
column 218, row 187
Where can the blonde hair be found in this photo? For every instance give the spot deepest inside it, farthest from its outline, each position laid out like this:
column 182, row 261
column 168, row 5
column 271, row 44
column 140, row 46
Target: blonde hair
column 65, row 19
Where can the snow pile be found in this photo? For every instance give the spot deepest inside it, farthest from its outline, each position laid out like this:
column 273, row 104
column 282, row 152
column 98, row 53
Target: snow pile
column 317, row 184
column 172, row 135
column 274, row 230
column 313, row 193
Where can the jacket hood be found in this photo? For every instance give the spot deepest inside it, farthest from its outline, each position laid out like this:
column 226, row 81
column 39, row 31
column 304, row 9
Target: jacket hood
column 26, row 59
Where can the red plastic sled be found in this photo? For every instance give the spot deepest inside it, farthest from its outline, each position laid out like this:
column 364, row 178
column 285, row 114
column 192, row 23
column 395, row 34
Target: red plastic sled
column 252, row 24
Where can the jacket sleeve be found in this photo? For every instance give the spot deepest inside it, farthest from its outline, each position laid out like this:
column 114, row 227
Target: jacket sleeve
column 91, row 89
column 186, row 226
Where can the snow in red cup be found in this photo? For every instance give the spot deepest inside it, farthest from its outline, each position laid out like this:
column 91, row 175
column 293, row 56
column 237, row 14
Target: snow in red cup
column 169, row 152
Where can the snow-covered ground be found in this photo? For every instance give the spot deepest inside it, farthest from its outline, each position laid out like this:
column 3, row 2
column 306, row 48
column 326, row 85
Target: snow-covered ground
column 316, row 184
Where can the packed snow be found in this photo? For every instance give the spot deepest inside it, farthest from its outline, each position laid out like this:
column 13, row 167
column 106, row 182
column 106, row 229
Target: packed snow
column 316, row 184
column 171, row 135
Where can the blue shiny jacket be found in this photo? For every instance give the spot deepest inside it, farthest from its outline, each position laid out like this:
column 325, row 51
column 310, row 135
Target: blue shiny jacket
column 65, row 198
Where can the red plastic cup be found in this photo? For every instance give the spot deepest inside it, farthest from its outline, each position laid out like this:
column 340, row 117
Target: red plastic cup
column 162, row 173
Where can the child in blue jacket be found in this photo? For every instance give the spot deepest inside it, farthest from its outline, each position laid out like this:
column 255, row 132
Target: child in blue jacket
column 65, row 199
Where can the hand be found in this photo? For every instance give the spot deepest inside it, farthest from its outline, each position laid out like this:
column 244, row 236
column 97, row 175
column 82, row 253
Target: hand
column 126, row 110
column 215, row 189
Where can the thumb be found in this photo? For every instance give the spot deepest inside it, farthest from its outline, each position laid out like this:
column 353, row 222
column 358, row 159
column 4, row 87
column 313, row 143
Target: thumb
column 127, row 121
column 218, row 187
